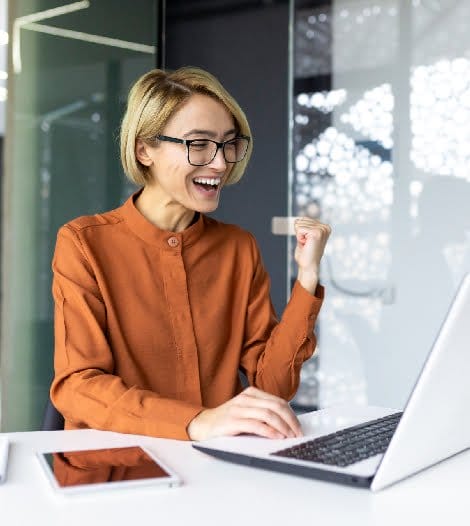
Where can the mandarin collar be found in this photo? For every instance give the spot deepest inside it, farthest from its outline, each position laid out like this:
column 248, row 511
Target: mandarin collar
column 153, row 235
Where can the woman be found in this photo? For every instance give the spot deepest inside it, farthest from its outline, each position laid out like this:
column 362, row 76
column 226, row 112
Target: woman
column 158, row 306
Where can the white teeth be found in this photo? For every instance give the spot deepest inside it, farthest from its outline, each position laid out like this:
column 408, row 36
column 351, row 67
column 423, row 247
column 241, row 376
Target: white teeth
column 205, row 180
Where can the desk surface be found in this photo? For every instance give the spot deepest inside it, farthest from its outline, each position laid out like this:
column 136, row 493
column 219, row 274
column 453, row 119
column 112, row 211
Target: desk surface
column 216, row 492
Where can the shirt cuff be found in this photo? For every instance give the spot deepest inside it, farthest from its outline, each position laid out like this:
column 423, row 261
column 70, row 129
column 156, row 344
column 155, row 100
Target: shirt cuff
column 313, row 299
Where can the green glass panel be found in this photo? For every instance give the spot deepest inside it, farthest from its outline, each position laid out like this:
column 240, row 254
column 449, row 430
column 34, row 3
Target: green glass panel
column 71, row 67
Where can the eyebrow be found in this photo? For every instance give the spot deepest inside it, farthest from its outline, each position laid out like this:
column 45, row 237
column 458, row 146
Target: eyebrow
column 208, row 133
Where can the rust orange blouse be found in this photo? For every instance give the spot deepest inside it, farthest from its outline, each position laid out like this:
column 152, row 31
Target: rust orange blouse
column 151, row 326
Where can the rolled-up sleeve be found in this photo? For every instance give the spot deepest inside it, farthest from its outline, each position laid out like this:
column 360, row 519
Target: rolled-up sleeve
column 274, row 351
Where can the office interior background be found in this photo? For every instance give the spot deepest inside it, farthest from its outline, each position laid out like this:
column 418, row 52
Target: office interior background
column 360, row 111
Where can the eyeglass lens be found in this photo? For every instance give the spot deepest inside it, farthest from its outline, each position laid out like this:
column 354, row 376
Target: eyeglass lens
column 202, row 151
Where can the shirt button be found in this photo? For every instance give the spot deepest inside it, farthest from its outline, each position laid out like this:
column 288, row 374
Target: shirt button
column 173, row 242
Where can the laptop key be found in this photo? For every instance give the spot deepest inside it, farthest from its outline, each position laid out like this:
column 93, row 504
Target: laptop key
column 347, row 446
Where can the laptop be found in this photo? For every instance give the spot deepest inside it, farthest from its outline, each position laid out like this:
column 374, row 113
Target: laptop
column 383, row 446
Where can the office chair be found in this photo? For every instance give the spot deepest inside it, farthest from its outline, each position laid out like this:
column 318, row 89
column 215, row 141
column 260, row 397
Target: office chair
column 52, row 420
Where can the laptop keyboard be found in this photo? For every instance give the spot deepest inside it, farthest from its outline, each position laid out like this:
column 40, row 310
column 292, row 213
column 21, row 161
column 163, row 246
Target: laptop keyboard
column 347, row 446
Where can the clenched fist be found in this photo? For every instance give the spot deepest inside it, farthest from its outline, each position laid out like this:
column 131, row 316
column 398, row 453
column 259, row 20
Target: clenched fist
column 311, row 240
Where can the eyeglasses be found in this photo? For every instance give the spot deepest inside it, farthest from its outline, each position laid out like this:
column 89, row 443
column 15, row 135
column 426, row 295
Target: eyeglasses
column 203, row 151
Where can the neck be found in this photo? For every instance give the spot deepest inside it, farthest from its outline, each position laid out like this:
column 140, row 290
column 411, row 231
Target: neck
column 164, row 214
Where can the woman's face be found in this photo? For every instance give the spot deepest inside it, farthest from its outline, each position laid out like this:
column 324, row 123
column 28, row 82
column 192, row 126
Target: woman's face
column 174, row 180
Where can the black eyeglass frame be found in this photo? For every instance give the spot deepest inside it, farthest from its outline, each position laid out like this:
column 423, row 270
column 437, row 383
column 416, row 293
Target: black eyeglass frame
column 188, row 142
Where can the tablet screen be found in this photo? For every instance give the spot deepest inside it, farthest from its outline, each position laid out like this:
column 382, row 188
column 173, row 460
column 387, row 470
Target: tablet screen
column 72, row 469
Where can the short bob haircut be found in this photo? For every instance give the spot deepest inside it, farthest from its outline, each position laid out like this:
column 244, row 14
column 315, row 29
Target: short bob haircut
column 157, row 96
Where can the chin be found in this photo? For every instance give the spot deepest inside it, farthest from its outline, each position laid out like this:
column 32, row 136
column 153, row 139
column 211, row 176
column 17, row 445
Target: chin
column 207, row 208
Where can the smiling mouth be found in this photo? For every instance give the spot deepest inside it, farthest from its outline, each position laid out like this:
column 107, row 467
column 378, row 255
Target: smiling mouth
column 208, row 184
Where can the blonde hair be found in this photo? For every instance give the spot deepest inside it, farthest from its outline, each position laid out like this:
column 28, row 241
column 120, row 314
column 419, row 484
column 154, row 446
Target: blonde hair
column 155, row 97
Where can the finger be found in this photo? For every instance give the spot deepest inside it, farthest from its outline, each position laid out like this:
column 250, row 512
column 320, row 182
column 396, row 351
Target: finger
column 264, row 400
column 323, row 230
column 314, row 238
column 308, row 222
column 254, row 392
column 254, row 427
column 267, row 416
column 315, row 232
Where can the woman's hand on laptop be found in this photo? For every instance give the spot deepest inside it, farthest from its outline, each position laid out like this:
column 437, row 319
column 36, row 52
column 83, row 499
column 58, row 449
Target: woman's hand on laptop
column 253, row 412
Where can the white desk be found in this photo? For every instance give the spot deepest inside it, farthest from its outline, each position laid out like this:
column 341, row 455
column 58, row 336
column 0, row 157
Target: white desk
column 219, row 493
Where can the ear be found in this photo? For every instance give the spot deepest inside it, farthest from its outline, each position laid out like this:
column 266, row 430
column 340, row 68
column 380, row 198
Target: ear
column 142, row 153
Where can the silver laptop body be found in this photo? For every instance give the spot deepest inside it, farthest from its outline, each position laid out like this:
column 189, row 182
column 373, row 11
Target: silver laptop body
column 434, row 426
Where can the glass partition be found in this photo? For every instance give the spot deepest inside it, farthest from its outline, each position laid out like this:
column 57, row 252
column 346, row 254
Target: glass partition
column 70, row 69
column 380, row 123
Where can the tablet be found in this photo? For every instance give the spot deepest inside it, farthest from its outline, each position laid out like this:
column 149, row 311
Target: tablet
column 72, row 472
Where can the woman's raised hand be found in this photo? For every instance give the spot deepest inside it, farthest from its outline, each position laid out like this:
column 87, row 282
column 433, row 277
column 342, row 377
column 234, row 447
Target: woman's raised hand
column 252, row 411
column 311, row 240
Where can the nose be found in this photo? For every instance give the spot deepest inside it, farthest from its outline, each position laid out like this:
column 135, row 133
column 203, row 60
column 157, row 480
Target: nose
column 218, row 162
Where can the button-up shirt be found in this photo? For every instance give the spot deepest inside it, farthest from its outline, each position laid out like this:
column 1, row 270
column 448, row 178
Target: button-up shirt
column 152, row 326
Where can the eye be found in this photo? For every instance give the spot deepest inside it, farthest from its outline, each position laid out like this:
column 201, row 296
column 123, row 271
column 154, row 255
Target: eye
column 199, row 145
column 232, row 144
